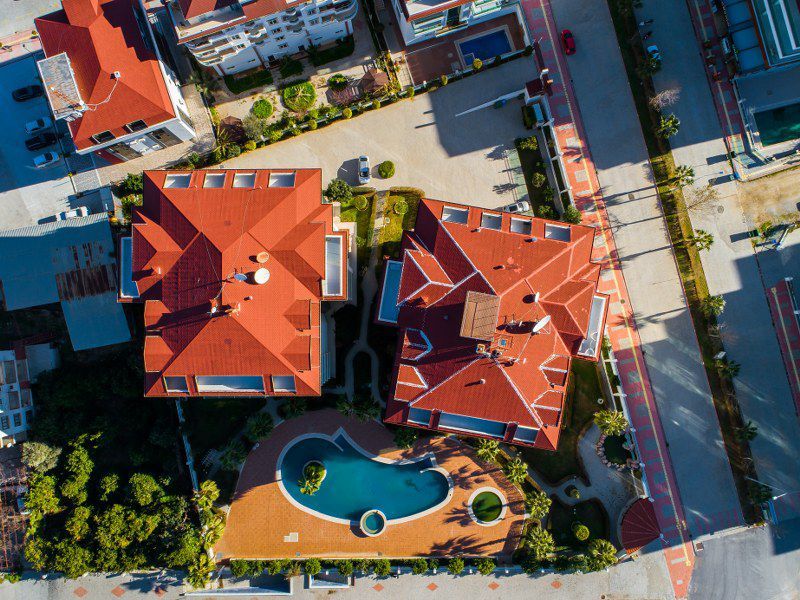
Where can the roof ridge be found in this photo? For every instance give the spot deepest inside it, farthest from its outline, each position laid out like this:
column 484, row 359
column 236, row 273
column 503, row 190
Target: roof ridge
column 445, row 380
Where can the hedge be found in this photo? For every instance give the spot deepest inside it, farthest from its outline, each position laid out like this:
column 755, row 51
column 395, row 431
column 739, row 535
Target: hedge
column 238, row 84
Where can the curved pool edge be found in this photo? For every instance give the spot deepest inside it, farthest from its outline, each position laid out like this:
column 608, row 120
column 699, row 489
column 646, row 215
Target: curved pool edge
column 401, row 461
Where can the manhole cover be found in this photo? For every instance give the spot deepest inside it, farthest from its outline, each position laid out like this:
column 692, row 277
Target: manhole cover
column 720, row 209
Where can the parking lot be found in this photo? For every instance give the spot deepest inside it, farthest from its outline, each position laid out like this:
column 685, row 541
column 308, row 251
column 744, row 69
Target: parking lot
column 457, row 158
column 27, row 195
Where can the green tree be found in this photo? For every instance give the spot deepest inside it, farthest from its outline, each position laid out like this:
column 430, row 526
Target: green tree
column 259, row 426
column 206, row 495
column 516, row 471
column 601, row 555
column 37, row 551
column 545, row 211
column 293, row 408
column 529, row 143
column 255, row 128
column 712, row 306
column 404, row 437
column 728, row 368
column 262, row 108
column 233, row 455
column 77, row 524
column 78, row 467
column 580, row 531
column 571, row 215
column 683, row 176
column 184, row 550
column 456, row 565
column 132, row 184
column 275, row 567
column 72, row 559
column 312, row 567
column 540, row 543
column 746, row 432
column 144, row 489
column 42, row 498
column 488, row 450
column 486, row 566
column 419, row 566
column 382, row 567
column 200, row 571
column 668, row 126
column 313, row 475
column 339, row 191
column 538, row 180
column 700, row 239
column 39, row 456
column 345, row 567
column 538, row 504
column 611, row 422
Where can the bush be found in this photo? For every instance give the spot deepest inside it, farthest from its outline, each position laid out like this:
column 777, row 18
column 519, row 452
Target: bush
column 361, row 203
column 443, row 79
column 312, row 567
column 538, row 179
column 545, row 211
column 275, row 135
column 382, row 567
column 345, row 567
column 410, row 91
column 400, row 206
column 290, row 67
column 419, row 565
column 132, row 184
column 347, row 113
column 194, row 159
column 405, row 437
column 312, row 125
column 258, row 426
column 338, row 191
column 262, row 108
column 337, row 82
column 486, row 566
column 477, row 64
column 299, row 97
column 249, row 146
column 580, row 531
column 571, row 215
column 386, row 169
column 238, row 84
column 376, row 104
column 528, row 143
column 456, row 566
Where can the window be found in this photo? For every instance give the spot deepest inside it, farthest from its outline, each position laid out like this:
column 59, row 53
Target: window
column 136, row 126
column 229, row 383
column 282, row 46
column 490, row 221
column 522, row 226
column 283, row 383
column 29, row 417
column 214, row 180
column 276, row 30
column 557, row 232
column 525, row 434
column 17, row 420
column 240, row 46
column 281, row 180
column 273, row 21
column 465, row 423
column 452, row 214
column 13, row 399
column 313, row 22
column 4, row 424
column 176, row 385
column 244, row 180
column 419, row 416
column 177, row 180
column 332, row 284
column 103, row 137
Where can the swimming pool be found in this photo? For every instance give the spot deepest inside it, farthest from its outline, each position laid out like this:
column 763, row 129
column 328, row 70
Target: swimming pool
column 485, row 47
column 391, row 287
column 779, row 124
column 355, row 483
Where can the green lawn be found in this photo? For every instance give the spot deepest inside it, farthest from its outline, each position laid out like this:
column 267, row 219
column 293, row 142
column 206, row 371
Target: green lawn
column 392, row 232
column 583, row 391
column 241, row 83
column 213, row 422
column 363, row 220
column 590, row 513
column 299, row 97
column 340, row 50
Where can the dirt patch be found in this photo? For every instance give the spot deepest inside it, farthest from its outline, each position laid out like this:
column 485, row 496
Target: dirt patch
column 770, row 197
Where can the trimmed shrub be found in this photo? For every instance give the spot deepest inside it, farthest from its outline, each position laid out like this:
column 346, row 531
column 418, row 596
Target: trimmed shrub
column 262, row 108
column 337, row 82
column 400, row 206
column 477, row 64
column 538, row 179
column 345, row 567
column 312, row 567
column 410, row 91
column 419, row 566
column 290, row 67
column 571, row 215
column 376, row 104
column 249, row 146
column 338, row 190
column 386, row 169
column 312, row 125
column 404, row 438
column 299, row 97
column 486, row 566
column 580, row 531
column 361, row 203
column 456, row 566
column 443, row 79
column 275, row 136
column 545, row 211
column 382, row 567
column 347, row 113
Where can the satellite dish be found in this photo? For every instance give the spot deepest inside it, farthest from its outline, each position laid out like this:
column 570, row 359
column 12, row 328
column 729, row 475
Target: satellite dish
column 262, row 257
column 261, row 276
column 240, row 277
column 541, row 324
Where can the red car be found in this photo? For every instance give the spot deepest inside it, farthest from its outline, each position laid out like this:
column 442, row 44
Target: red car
column 569, row 41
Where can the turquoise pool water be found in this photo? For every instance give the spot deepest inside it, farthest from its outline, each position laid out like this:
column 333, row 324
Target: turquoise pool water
column 355, row 483
column 391, row 287
column 779, row 124
column 373, row 522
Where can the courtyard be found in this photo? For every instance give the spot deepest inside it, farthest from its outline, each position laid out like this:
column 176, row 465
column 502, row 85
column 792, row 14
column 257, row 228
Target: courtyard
column 468, row 158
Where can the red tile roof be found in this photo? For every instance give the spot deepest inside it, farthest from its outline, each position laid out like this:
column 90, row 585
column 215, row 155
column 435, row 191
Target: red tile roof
column 516, row 376
column 100, row 38
column 194, row 8
column 639, row 525
column 189, row 246
column 249, row 11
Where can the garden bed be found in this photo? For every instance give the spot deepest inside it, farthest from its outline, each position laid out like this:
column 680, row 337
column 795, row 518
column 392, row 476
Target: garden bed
column 254, row 79
column 299, row 97
column 364, row 223
column 614, row 450
column 582, row 393
column 342, row 49
column 589, row 513
column 395, row 224
column 213, row 422
column 532, row 163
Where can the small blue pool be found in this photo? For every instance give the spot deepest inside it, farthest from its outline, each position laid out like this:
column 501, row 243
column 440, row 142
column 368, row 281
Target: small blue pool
column 485, row 47
column 391, row 288
column 355, row 483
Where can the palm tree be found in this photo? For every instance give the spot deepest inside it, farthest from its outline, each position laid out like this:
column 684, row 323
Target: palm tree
column 746, row 432
column 728, row 368
column 366, row 409
column 488, row 450
column 759, row 492
column 669, row 126
column 684, row 175
column 712, row 306
column 538, row 504
column 205, row 496
column 516, row 471
column 602, row 554
column 700, row 239
column 611, row 422
column 540, row 543
column 648, row 67
column 345, row 406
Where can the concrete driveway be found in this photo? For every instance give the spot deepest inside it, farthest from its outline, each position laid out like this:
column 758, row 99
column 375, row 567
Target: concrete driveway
column 462, row 159
column 27, row 195
column 668, row 339
column 18, row 15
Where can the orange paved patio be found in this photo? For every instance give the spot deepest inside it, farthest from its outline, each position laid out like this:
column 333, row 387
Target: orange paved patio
column 261, row 520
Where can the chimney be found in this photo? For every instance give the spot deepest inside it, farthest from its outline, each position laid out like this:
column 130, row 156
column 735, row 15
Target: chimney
column 81, row 12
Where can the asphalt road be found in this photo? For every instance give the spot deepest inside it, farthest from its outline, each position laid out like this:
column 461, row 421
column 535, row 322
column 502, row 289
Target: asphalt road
column 669, row 342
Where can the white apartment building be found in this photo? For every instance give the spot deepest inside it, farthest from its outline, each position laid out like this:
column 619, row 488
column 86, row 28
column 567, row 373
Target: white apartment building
column 234, row 36
column 421, row 20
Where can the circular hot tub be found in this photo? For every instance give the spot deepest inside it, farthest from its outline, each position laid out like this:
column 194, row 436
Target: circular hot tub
column 486, row 506
column 373, row 523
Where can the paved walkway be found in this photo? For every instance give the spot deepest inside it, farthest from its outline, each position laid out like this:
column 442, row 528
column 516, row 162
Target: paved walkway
column 19, row 45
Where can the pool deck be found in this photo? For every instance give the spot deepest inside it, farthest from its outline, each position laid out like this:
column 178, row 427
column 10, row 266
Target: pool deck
column 263, row 524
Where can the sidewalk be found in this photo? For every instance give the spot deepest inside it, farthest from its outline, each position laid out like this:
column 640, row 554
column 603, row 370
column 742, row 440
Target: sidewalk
column 19, row 45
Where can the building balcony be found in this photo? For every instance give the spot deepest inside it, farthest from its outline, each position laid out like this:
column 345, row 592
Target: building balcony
column 346, row 10
column 296, row 28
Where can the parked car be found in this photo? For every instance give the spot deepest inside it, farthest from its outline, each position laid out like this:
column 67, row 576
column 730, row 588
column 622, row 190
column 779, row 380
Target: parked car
column 81, row 211
column 568, row 40
column 27, row 93
column 363, row 170
column 41, row 140
column 38, row 125
column 654, row 52
column 517, row 207
column 46, row 159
